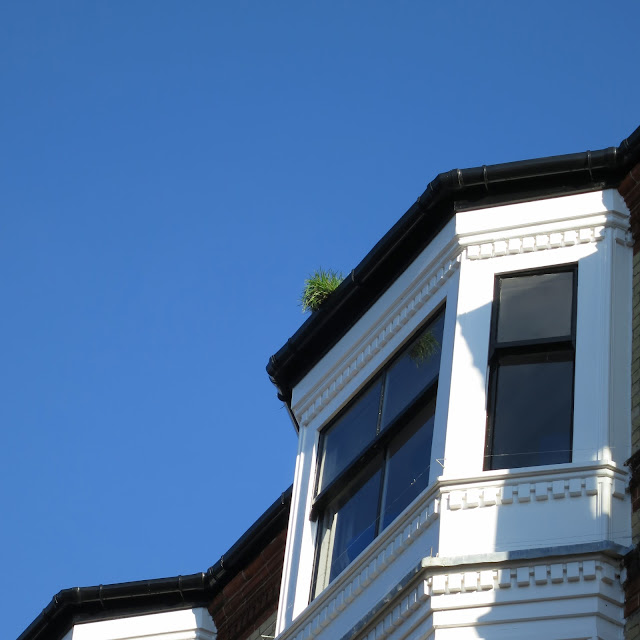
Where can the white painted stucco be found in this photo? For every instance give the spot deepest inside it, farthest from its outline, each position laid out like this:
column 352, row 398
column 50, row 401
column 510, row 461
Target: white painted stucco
column 187, row 624
column 467, row 511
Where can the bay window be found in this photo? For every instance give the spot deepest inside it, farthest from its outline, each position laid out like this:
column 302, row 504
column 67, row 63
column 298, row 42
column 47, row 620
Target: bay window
column 375, row 456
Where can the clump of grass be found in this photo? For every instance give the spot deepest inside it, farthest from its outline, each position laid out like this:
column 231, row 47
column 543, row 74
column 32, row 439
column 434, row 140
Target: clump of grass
column 423, row 348
column 318, row 287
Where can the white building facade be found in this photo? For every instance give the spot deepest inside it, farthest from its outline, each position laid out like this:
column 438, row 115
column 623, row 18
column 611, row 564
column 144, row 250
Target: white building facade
column 185, row 624
column 460, row 469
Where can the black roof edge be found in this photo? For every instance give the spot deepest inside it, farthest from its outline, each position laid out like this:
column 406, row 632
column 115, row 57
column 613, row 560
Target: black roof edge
column 103, row 601
column 252, row 541
column 447, row 193
column 82, row 604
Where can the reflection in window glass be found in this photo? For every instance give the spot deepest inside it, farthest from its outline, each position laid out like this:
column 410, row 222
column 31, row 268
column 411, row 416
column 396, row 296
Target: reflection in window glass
column 355, row 524
column 350, row 435
column 407, row 473
column 413, row 372
column 393, row 444
column 533, row 414
column 535, row 306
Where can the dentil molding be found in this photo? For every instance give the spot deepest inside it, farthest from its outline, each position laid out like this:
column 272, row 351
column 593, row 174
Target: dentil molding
column 435, row 274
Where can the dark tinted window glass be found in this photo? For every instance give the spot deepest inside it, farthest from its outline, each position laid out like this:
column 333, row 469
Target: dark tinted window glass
column 408, row 465
column 535, row 306
column 533, row 414
column 355, row 524
column 353, row 502
column 350, row 435
column 414, row 371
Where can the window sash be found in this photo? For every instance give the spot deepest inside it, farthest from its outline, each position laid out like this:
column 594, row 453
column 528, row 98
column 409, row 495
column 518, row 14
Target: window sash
column 368, row 493
column 524, row 300
column 522, row 354
column 532, row 412
column 348, row 525
column 405, row 418
column 406, row 473
column 326, row 482
column 346, row 477
column 350, row 434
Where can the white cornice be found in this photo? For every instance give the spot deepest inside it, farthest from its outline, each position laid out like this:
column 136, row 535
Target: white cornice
column 535, row 484
column 471, row 497
column 489, row 489
column 492, row 241
column 439, row 585
column 434, row 591
column 388, row 325
column 534, row 242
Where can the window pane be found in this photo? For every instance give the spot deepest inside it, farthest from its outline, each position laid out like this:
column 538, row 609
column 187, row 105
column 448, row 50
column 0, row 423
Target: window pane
column 414, row 371
column 355, row 524
column 533, row 414
column 408, row 465
column 350, row 435
column 535, row 306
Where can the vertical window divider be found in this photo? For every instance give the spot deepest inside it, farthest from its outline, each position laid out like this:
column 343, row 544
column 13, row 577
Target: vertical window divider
column 381, row 405
column 382, row 494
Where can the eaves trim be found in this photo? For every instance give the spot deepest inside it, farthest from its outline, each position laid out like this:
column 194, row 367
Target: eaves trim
column 449, row 192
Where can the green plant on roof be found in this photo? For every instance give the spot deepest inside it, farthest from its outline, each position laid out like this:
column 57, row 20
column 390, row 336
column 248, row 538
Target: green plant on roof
column 423, row 348
column 318, row 287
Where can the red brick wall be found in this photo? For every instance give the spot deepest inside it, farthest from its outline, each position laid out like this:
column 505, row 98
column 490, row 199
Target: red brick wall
column 252, row 595
column 630, row 191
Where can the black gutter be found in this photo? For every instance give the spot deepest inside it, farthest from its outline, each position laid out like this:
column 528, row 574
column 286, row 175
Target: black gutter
column 84, row 604
column 249, row 545
column 449, row 192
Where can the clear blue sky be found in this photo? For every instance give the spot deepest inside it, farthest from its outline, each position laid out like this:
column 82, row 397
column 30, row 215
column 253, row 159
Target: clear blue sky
column 169, row 174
